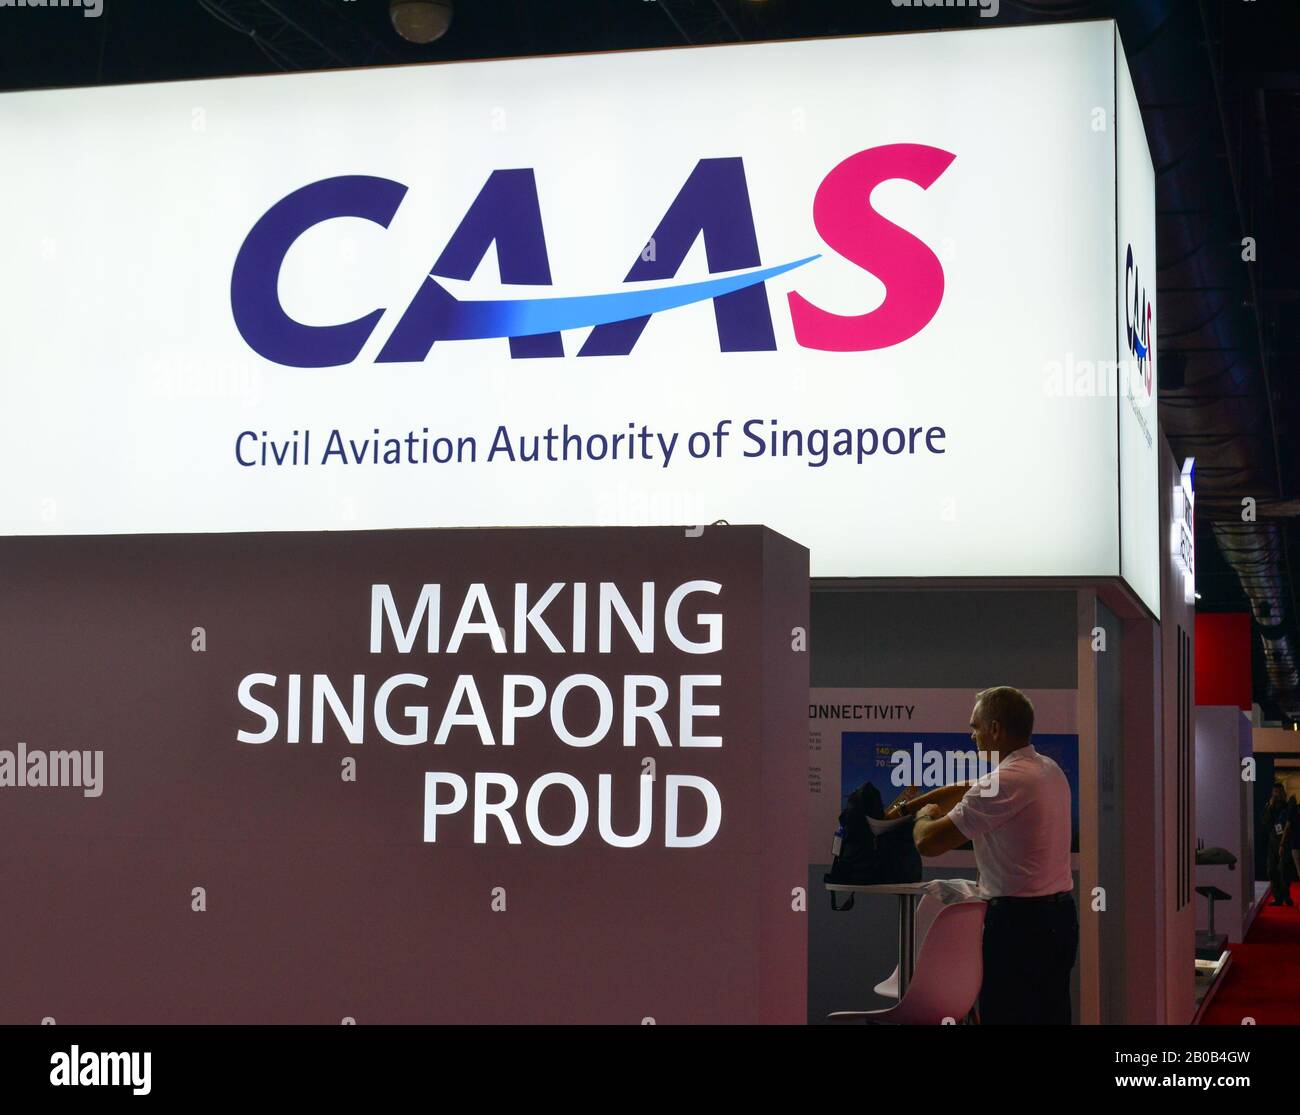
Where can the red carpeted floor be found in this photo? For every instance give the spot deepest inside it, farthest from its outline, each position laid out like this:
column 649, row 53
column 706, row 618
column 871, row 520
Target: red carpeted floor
column 1264, row 980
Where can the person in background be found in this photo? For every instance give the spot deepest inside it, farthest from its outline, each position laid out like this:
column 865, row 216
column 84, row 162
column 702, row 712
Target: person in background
column 1274, row 825
column 1021, row 836
column 1291, row 839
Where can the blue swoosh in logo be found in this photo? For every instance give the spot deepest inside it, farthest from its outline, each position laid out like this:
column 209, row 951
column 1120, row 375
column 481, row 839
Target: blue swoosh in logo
column 457, row 320
column 1141, row 349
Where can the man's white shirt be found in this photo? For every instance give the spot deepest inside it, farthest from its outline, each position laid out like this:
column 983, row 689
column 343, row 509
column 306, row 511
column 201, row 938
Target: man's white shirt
column 1021, row 833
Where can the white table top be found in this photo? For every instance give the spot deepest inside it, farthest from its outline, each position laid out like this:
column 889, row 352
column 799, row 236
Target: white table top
column 877, row 888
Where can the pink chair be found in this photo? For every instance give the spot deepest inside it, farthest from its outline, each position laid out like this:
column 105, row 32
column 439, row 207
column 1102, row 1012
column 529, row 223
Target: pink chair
column 948, row 973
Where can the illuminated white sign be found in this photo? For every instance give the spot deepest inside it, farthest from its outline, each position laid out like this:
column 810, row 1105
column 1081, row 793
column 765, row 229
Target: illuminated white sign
column 1183, row 531
column 860, row 290
column 1137, row 328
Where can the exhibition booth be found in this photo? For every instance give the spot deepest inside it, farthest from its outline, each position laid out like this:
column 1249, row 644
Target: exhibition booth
column 350, row 560
column 1276, row 752
column 896, row 666
column 1246, row 953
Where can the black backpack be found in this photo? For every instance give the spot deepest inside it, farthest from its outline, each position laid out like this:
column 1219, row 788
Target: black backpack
column 862, row 857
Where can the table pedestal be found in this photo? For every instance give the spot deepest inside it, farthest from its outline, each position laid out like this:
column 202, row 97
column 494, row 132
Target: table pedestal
column 908, row 895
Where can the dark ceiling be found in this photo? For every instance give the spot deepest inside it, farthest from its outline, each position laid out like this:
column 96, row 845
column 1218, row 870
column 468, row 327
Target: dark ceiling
column 1219, row 84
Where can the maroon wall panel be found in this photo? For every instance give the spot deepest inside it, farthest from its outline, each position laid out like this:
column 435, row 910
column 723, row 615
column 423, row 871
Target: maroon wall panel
column 323, row 898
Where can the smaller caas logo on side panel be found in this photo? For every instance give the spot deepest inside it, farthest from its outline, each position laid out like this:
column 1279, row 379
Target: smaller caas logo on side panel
column 1137, row 324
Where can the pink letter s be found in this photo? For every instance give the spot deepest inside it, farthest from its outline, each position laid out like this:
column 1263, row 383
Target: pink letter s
column 912, row 275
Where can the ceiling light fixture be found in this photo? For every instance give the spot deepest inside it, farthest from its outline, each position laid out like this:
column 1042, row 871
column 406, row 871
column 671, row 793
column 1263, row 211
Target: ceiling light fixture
column 421, row 21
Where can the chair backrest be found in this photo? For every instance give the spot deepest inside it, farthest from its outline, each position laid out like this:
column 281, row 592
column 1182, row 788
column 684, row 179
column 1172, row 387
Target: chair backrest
column 949, row 970
column 926, row 911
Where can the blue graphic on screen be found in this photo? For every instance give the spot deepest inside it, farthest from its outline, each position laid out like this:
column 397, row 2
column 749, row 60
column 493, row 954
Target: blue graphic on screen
column 865, row 757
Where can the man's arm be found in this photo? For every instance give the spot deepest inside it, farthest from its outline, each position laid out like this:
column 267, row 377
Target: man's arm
column 945, row 797
column 933, row 833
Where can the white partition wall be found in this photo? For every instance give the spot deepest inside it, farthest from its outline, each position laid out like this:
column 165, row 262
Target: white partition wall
column 1223, row 814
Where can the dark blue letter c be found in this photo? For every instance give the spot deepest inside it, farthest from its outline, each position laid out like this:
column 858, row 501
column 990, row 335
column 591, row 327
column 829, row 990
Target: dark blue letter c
column 254, row 283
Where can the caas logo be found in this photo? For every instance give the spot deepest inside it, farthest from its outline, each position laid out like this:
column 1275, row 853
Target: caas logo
column 713, row 204
column 1137, row 322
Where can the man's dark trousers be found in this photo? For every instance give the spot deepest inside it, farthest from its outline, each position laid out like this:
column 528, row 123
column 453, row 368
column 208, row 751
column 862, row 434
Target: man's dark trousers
column 1275, row 864
column 1030, row 946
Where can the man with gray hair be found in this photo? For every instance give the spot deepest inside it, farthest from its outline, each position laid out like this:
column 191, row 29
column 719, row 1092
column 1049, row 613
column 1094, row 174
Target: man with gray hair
column 1020, row 827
